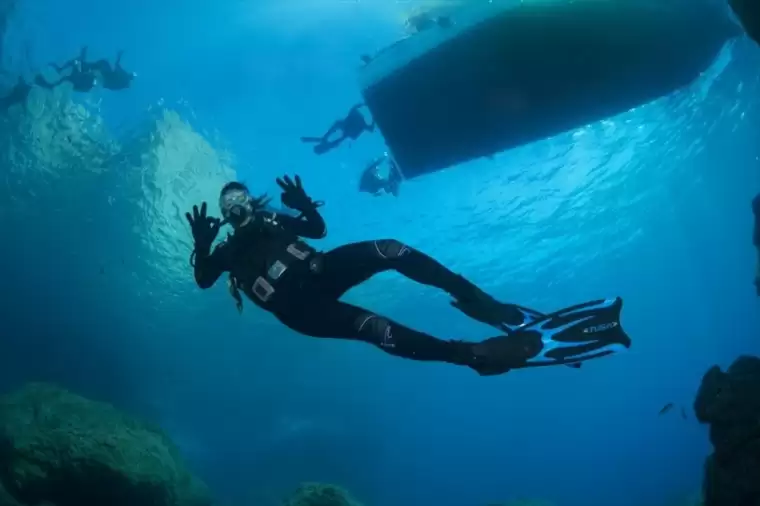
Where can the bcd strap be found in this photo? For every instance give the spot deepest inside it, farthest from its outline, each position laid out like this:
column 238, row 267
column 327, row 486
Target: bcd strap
column 263, row 288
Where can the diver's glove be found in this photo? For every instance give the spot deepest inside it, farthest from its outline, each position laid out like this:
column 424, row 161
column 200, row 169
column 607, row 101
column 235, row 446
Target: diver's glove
column 294, row 196
column 204, row 228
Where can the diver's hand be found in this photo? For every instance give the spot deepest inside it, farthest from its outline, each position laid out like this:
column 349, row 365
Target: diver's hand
column 204, row 228
column 294, row 196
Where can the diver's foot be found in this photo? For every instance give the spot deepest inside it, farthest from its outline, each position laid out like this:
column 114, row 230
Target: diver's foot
column 499, row 355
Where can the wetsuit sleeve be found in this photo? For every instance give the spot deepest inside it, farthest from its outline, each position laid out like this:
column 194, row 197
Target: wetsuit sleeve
column 310, row 224
column 210, row 266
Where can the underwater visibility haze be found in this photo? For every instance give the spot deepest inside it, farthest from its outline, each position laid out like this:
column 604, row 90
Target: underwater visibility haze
column 98, row 295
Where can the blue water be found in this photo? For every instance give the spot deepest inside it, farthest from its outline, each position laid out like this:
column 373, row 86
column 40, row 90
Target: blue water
column 652, row 206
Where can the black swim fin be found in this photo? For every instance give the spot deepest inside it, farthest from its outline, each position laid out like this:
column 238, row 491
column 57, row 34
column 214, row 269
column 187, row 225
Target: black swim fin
column 566, row 337
column 322, row 148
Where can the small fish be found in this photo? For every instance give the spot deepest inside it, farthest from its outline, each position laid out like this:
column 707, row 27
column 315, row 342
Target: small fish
column 667, row 407
column 683, row 413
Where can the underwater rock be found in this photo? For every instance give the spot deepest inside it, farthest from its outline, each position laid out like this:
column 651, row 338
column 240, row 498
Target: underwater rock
column 320, row 494
column 61, row 448
column 6, row 499
column 730, row 403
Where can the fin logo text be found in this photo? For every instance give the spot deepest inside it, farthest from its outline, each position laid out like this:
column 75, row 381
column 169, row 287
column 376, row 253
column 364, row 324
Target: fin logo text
column 600, row 328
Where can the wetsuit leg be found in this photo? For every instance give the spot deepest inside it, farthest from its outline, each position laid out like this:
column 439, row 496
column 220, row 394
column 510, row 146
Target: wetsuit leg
column 352, row 264
column 102, row 66
column 334, row 319
column 338, row 125
column 324, row 146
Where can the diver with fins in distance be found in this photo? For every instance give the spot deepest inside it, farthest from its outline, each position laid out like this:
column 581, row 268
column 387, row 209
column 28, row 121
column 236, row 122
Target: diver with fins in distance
column 268, row 261
column 375, row 183
column 82, row 77
column 350, row 127
column 113, row 77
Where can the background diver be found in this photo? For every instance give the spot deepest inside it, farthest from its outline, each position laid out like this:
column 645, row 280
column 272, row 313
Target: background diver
column 756, row 239
column 374, row 183
column 112, row 78
column 82, row 78
column 350, row 127
column 302, row 287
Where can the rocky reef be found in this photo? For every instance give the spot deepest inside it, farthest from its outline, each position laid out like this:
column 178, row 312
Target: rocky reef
column 730, row 403
column 59, row 448
column 320, row 494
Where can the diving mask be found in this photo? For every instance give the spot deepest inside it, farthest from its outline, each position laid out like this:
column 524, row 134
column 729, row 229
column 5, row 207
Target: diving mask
column 236, row 207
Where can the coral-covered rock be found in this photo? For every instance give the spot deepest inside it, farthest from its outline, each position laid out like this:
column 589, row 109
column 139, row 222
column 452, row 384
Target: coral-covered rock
column 61, row 448
column 320, row 494
column 730, row 402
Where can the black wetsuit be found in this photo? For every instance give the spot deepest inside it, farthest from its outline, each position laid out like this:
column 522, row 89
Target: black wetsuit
column 114, row 78
column 350, row 127
column 302, row 287
column 82, row 79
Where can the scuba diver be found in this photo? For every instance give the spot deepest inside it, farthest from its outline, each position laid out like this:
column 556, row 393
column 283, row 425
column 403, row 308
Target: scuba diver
column 756, row 239
column 279, row 272
column 81, row 77
column 748, row 12
column 374, row 183
column 112, row 78
column 350, row 127
column 18, row 95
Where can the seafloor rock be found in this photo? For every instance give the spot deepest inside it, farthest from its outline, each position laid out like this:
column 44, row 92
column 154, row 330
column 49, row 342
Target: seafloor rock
column 320, row 494
column 60, row 448
column 6, row 499
column 730, row 402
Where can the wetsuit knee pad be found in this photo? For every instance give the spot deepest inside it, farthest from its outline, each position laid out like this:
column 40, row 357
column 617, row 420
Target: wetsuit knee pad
column 391, row 248
column 376, row 330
